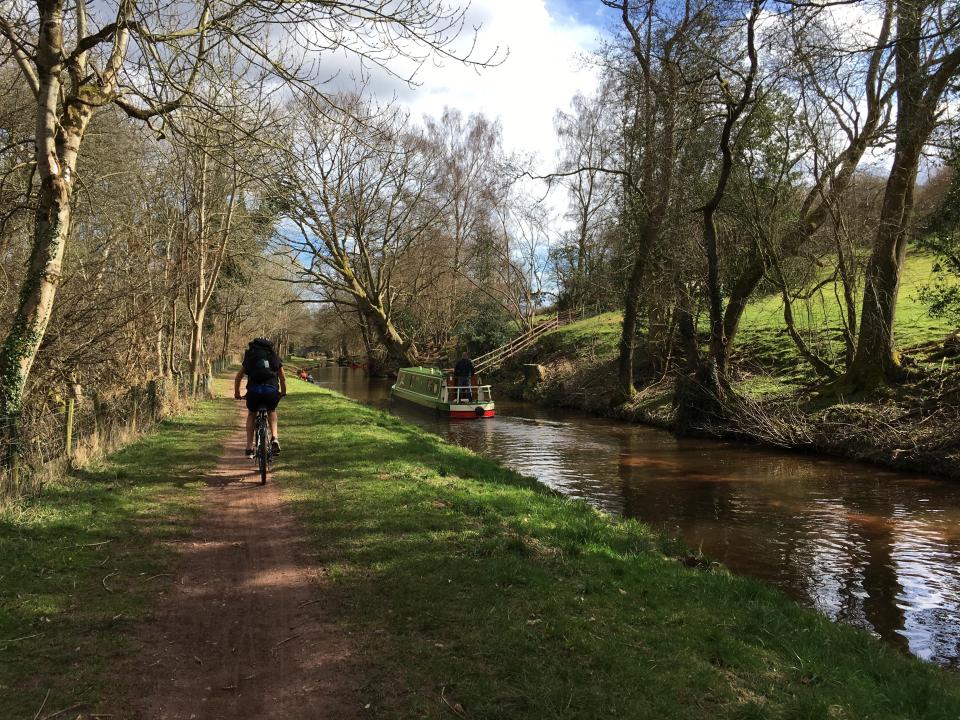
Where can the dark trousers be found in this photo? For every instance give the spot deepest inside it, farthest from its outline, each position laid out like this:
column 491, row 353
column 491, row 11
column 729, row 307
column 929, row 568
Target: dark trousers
column 464, row 381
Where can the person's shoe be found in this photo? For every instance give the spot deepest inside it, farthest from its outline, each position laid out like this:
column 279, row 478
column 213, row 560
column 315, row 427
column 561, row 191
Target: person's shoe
column 275, row 446
column 248, row 452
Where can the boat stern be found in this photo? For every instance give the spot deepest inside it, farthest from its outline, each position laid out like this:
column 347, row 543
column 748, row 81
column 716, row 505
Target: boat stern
column 472, row 410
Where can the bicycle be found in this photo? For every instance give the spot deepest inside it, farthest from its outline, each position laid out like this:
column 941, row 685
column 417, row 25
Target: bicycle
column 263, row 451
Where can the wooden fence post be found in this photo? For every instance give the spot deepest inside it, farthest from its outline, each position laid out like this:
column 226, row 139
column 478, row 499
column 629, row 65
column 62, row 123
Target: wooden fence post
column 68, row 430
column 152, row 398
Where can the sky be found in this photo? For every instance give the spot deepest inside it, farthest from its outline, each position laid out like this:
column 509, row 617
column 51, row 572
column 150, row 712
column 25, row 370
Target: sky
column 542, row 44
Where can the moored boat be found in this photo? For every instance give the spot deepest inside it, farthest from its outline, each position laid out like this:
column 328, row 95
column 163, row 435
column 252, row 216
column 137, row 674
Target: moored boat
column 435, row 389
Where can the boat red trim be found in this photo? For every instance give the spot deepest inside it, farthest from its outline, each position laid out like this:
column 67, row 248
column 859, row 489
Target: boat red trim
column 470, row 413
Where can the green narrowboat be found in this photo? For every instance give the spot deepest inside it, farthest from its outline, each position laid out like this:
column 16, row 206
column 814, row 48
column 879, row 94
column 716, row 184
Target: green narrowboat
column 436, row 389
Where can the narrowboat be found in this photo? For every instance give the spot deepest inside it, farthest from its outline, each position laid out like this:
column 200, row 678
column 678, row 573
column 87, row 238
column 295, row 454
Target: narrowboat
column 436, row 389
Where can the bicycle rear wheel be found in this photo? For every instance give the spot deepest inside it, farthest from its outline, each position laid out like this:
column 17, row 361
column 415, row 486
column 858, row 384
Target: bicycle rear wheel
column 264, row 448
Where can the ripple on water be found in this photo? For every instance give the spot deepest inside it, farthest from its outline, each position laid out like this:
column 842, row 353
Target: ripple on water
column 866, row 546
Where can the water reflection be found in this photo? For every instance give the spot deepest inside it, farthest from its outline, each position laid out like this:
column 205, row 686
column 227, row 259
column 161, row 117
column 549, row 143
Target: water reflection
column 866, row 546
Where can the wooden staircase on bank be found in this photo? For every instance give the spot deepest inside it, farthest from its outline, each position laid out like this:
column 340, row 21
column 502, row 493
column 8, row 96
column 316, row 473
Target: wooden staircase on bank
column 496, row 357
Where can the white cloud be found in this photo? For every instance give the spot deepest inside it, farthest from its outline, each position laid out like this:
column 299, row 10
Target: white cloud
column 540, row 73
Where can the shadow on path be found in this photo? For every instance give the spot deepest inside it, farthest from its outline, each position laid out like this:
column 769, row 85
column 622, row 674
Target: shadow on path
column 244, row 629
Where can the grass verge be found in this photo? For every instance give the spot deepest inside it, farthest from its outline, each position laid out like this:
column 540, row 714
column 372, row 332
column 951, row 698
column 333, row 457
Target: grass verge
column 78, row 563
column 476, row 593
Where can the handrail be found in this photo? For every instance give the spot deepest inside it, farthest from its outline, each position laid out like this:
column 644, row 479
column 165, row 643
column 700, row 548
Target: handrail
column 481, row 391
column 486, row 361
column 521, row 342
column 535, row 330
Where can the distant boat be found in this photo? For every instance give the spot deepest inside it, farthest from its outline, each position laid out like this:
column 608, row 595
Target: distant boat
column 435, row 389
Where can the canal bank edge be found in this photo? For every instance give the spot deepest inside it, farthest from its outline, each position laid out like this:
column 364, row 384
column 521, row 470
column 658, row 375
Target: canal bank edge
column 476, row 591
column 914, row 426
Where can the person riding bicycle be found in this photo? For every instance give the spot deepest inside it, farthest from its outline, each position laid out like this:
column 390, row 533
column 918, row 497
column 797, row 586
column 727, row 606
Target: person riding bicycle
column 266, row 384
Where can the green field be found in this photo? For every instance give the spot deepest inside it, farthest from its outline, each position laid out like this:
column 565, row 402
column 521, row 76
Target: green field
column 762, row 346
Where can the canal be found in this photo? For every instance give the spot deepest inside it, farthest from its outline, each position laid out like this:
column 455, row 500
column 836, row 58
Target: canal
column 865, row 546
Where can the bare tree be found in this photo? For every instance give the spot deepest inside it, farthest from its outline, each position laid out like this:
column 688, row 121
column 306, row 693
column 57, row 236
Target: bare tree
column 145, row 57
column 359, row 186
column 587, row 151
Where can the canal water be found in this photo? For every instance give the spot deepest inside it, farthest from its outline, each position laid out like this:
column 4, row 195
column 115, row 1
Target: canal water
column 865, row 546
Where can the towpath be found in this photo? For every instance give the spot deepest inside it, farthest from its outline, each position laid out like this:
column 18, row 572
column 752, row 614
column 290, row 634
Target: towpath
column 244, row 628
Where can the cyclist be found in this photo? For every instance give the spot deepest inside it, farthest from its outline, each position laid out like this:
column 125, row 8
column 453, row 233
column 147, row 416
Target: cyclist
column 266, row 384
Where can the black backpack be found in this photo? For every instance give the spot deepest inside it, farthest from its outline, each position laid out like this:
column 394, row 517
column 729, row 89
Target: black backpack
column 261, row 364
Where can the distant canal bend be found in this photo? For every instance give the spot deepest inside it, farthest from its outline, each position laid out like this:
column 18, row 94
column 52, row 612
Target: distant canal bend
column 866, row 546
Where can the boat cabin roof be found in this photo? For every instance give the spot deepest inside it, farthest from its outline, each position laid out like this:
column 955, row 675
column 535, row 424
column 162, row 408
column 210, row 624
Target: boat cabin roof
column 425, row 371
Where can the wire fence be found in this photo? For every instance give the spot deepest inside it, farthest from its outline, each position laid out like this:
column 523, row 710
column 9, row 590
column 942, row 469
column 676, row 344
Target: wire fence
column 71, row 426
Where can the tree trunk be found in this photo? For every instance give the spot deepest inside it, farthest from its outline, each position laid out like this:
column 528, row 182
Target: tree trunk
column 718, row 338
column 399, row 351
column 686, row 327
column 171, row 363
column 36, row 304
column 58, row 136
column 876, row 360
column 740, row 293
column 196, row 349
column 849, row 303
column 365, row 336
column 628, row 333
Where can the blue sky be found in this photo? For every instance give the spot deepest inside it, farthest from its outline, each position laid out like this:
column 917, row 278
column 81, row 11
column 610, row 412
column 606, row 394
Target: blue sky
column 586, row 12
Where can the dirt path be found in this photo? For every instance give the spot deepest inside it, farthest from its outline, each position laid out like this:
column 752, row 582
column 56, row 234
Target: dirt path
column 243, row 631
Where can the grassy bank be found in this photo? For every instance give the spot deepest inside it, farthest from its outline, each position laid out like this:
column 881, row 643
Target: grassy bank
column 909, row 426
column 78, row 564
column 473, row 592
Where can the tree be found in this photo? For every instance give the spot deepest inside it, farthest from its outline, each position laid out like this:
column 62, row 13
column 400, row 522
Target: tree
column 734, row 107
column 357, row 186
column 927, row 59
column 659, row 98
column 145, row 58
column 586, row 152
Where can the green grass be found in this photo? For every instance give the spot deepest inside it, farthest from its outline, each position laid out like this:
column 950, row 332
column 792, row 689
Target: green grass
column 762, row 343
column 600, row 333
column 460, row 578
column 76, row 563
column 914, row 324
